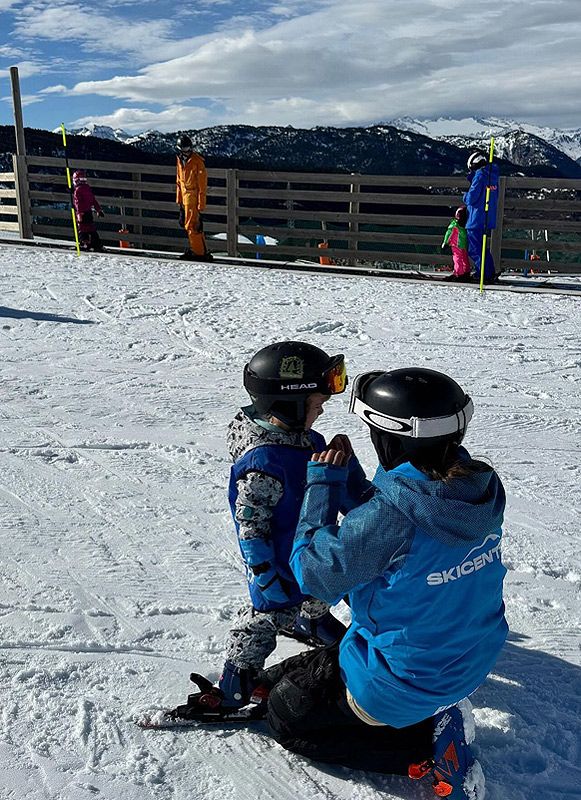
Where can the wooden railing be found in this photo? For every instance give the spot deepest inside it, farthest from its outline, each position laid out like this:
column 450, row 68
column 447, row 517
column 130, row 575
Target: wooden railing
column 362, row 218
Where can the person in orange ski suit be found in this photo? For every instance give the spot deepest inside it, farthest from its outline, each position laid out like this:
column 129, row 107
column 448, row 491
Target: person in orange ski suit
column 191, row 186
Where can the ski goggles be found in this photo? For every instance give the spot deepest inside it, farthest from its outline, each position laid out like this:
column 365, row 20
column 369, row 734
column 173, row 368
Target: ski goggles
column 332, row 381
column 414, row 427
column 335, row 377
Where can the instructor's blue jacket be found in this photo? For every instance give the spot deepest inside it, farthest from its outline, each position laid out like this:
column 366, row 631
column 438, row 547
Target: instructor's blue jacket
column 421, row 564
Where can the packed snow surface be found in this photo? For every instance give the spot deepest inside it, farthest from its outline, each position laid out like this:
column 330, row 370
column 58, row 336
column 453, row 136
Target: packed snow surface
column 119, row 568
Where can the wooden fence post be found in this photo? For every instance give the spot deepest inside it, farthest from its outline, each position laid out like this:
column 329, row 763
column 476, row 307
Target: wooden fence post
column 137, row 212
column 231, row 215
column 354, row 209
column 497, row 233
column 19, row 161
column 22, row 198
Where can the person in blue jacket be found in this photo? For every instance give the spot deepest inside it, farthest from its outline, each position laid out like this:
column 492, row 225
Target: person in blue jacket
column 481, row 174
column 270, row 442
column 420, row 564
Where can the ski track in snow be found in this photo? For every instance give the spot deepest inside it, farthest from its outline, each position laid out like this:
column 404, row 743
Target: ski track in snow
column 120, row 570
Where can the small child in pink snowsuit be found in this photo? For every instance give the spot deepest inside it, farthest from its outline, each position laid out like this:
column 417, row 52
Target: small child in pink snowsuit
column 457, row 238
column 84, row 201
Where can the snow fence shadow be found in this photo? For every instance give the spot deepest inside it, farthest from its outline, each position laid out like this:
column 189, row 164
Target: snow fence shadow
column 41, row 316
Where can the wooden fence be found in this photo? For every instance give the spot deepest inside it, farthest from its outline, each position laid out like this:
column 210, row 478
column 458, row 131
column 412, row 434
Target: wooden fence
column 360, row 218
column 8, row 204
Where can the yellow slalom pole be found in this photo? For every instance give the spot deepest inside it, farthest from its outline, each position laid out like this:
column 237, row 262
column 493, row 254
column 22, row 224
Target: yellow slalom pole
column 70, row 185
column 486, row 202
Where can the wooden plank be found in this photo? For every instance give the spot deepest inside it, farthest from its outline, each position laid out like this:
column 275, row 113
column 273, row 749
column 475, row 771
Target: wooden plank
column 346, row 179
column 343, row 217
column 57, row 232
column 9, row 194
column 553, row 244
column 8, row 177
column 113, row 166
column 362, row 236
column 545, row 204
column 543, row 183
column 555, row 267
column 8, row 211
column 126, row 202
column 359, row 255
column 542, row 224
column 348, row 197
column 9, row 226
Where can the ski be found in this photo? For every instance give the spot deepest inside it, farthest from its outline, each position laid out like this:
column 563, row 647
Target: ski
column 165, row 719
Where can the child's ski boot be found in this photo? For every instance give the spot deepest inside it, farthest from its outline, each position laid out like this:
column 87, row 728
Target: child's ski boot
column 236, row 689
column 316, row 631
column 454, row 771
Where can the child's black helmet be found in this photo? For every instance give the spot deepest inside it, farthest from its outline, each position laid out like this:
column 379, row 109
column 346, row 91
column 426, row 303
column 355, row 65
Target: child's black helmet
column 184, row 144
column 413, row 414
column 281, row 376
column 461, row 214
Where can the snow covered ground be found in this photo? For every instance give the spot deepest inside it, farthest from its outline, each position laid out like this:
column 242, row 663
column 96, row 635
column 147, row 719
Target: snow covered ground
column 119, row 570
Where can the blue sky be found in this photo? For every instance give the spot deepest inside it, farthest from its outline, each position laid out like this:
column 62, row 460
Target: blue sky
column 142, row 64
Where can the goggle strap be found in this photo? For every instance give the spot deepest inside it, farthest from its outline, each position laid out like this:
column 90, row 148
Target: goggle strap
column 414, row 427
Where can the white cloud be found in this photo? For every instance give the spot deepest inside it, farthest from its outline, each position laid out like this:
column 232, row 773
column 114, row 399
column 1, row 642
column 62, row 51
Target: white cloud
column 336, row 61
column 57, row 89
column 97, row 32
column 135, row 120
column 27, row 68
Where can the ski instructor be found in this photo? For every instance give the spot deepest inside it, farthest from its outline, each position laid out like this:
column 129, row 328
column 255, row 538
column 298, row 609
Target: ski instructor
column 191, row 186
column 481, row 174
column 421, row 564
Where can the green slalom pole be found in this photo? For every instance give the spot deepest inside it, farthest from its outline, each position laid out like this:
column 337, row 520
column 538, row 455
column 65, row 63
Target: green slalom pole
column 486, row 202
column 70, row 185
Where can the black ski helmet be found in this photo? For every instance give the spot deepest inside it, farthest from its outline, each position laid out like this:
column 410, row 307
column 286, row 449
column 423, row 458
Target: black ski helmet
column 414, row 414
column 476, row 160
column 281, row 376
column 184, row 144
column 461, row 214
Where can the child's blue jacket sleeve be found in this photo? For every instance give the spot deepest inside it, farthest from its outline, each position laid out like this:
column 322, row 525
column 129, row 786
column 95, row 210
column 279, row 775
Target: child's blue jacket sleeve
column 329, row 560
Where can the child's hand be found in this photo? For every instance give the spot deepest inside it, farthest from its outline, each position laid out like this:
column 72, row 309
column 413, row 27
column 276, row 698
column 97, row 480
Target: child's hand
column 341, row 442
column 335, row 457
column 100, row 213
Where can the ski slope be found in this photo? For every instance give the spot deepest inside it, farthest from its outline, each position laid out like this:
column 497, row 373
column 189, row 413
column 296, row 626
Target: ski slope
column 119, row 569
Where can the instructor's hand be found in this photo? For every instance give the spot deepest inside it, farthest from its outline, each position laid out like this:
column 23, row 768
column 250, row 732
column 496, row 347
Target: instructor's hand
column 341, row 442
column 335, row 457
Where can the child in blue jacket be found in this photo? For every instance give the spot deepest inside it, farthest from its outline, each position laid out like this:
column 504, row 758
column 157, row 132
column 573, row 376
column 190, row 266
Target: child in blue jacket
column 270, row 443
column 420, row 561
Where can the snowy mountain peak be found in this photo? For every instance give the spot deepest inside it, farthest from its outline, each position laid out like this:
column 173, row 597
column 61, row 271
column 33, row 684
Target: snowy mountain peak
column 459, row 131
column 100, row 131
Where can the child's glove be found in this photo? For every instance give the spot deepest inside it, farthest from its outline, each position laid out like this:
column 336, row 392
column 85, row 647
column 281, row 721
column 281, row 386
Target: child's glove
column 100, row 213
column 182, row 217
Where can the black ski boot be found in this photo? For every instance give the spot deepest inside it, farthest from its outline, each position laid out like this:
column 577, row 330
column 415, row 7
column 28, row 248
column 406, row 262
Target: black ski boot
column 237, row 696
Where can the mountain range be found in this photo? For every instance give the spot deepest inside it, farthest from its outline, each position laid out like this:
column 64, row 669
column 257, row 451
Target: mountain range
column 523, row 144
column 404, row 146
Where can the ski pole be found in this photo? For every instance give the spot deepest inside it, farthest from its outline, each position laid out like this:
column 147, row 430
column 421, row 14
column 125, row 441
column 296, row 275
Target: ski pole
column 486, row 203
column 70, row 185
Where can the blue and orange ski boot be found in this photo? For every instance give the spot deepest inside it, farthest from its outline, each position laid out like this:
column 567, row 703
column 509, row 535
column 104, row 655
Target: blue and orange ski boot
column 454, row 771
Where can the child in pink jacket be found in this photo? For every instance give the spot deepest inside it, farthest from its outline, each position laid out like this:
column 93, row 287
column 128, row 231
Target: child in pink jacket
column 457, row 238
column 84, row 202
